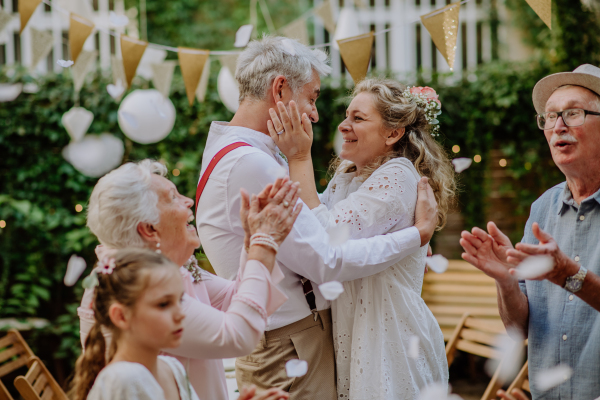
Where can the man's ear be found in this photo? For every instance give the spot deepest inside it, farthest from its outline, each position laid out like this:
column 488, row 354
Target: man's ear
column 394, row 136
column 278, row 87
column 148, row 233
column 119, row 315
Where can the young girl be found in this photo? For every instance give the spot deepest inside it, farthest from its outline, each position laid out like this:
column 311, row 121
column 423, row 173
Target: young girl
column 138, row 299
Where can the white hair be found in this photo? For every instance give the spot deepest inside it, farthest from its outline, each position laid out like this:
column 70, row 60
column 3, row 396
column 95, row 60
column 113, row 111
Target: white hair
column 264, row 59
column 121, row 200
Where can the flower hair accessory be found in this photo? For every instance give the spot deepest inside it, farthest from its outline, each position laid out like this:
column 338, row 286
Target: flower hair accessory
column 105, row 267
column 426, row 98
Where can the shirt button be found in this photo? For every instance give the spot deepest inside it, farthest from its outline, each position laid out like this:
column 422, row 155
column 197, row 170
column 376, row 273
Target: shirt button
column 581, row 217
column 570, row 297
column 576, row 258
column 564, row 337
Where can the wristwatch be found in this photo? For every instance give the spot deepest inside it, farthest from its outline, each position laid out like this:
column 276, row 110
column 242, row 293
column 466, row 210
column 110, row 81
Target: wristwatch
column 575, row 282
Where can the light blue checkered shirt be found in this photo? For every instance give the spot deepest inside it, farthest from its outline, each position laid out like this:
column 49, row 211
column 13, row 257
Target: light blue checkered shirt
column 563, row 329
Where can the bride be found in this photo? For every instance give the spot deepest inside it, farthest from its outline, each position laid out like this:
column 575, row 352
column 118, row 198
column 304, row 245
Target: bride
column 380, row 320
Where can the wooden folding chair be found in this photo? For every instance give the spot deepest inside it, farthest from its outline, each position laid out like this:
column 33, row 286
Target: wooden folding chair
column 478, row 336
column 14, row 354
column 38, row 383
column 522, row 380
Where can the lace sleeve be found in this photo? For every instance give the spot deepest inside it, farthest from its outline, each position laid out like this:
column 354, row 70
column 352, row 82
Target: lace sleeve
column 384, row 202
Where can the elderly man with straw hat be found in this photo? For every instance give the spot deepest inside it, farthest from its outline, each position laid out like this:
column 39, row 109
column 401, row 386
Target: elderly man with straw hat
column 557, row 311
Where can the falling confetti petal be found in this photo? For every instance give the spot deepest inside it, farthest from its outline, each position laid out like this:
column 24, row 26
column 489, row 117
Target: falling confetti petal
column 75, row 268
column 90, row 281
column 551, row 377
column 331, row 290
column 288, row 47
column 460, row 164
column 31, row 88
column 65, row 63
column 512, row 350
column 438, row 263
column 278, row 172
column 9, row 92
column 296, row 368
column 115, row 91
column 242, row 36
column 413, row 347
column 118, row 20
column 534, row 266
column 339, row 234
column 437, row 391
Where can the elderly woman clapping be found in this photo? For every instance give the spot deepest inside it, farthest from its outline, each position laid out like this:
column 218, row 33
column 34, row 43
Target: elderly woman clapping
column 136, row 206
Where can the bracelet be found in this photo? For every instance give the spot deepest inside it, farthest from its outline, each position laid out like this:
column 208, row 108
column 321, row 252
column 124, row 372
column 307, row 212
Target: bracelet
column 265, row 240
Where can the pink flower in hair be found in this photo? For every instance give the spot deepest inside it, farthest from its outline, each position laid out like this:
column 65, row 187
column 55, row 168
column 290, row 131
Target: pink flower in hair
column 106, row 266
column 416, row 90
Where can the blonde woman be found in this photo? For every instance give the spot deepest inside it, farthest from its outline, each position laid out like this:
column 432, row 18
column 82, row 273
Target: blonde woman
column 388, row 344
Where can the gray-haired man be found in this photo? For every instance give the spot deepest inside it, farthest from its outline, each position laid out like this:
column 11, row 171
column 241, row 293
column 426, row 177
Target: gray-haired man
column 269, row 71
column 558, row 311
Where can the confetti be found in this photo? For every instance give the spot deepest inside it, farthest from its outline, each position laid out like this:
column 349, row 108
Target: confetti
column 65, row 63
column 413, row 347
column 331, row 290
column 437, row 391
column 288, row 47
column 460, row 164
column 242, row 36
column 438, row 263
column 75, row 268
column 551, row 377
column 118, row 20
column 534, row 266
column 512, row 350
column 30, row 88
column 278, row 172
column 296, row 368
column 339, row 234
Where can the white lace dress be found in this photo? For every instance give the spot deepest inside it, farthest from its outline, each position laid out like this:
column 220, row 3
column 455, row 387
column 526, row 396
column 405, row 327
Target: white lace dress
column 376, row 317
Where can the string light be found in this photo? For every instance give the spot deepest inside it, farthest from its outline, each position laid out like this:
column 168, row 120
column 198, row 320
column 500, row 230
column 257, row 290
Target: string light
column 502, row 162
column 455, row 148
column 79, row 208
column 3, row 224
column 176, row 172
column 527, row 165
column 477, row 158
column 323, row 182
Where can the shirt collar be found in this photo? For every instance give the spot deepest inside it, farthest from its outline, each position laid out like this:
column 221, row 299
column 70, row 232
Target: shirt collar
column 568, row 201
column 250, row 136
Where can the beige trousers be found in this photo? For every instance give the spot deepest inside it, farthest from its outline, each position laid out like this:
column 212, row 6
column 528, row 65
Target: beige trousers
column 307, row 340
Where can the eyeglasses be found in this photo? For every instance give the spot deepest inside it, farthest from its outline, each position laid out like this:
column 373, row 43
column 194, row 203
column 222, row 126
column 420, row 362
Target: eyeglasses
column 571, row 117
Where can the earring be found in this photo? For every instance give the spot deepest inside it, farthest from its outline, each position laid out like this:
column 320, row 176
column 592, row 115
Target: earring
column 158, row 248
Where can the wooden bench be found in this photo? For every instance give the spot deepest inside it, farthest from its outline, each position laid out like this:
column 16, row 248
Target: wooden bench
column 461, row 289
column 14, row 354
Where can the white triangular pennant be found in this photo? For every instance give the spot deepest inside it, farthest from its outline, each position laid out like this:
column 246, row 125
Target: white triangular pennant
column 41, row 45
column 80, row 69
column 162, row 75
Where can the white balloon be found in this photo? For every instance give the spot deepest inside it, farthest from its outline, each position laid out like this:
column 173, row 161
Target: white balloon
column 77, row 121
column 534, row 266
column 461, row 163
column 228, row 90
column 75, row 268
column 9, row 92
column 347, row 25
column 438, row 263
column 146, row 116
column 95, row 155
column 551, row 377
column 331, row 290
column 296, row 368
column 242, row 36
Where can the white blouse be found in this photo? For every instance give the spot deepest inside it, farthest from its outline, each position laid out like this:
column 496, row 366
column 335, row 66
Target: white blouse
column 132, row 381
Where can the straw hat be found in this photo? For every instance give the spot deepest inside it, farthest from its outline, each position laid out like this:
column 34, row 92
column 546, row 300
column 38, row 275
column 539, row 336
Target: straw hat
column 585, row 75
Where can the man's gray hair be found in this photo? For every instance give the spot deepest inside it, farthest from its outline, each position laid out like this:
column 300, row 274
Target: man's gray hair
column 121, row 200
column 264, row 59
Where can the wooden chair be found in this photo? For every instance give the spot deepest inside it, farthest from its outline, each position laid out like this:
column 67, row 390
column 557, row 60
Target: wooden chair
column 461, row 289
column 14, row 354
column 38, row 383
column 478, row 336
column 522, row 380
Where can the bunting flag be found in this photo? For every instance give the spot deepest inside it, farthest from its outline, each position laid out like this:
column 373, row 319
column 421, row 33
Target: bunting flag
column 442, row 25
column 230, row 61
column 543, row 8
column 162, row 76
column 79, row 30
column 356, row 53
column 203, row 85
column 83, row 8
column 80, row 69
column 132, row 51
column 118, row 73
column 5, row 19
column 41, row 45
column 326, row 15
column 26, row 10
column 191, row 62
column 296, row 30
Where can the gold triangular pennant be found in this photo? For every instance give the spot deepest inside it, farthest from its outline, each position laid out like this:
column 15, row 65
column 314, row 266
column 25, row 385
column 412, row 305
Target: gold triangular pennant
column 324, row 11
column 41, row 45
column 80, row 69
column 296, row 30
column 79, row 30
column 543, row 8
column 26, row 10
column 356, row 53
column 4, row 20
column 201, row 91
column 191, row 62
column 132, row 51
column 442, row 25
column 162, row 76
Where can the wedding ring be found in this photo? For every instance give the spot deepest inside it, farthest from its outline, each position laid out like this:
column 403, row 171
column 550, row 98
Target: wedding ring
column 286, row 204
column 281, row 131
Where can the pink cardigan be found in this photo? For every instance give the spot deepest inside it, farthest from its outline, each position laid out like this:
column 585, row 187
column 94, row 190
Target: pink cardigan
column 224, row 319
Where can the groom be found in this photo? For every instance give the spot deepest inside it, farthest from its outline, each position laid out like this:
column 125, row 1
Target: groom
column 271, row 70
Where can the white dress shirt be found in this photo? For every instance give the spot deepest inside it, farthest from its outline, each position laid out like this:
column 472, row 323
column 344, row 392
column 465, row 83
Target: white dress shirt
column 306, row 251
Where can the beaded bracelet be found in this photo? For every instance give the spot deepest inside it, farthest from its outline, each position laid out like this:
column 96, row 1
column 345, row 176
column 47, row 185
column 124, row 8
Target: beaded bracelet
column 265, row 240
